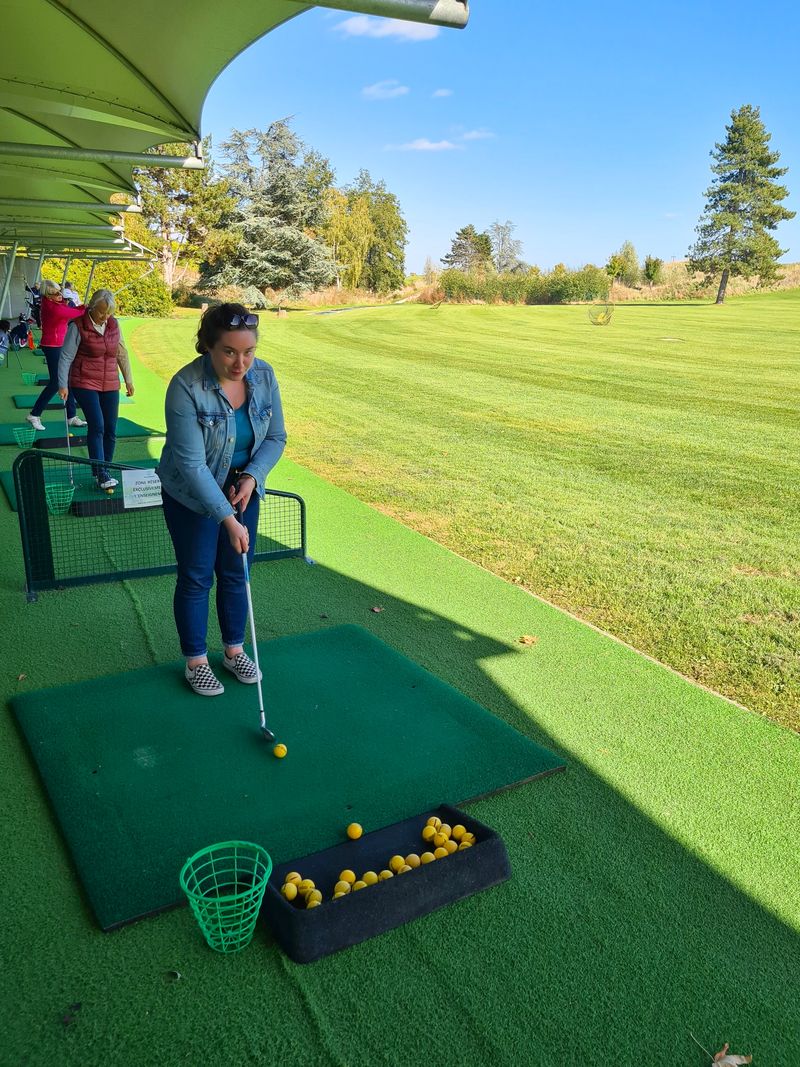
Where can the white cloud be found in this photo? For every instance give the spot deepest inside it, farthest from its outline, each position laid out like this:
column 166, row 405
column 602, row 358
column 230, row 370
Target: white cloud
column 385, row 90
column 671, row 215
column 442, row 92
column 422, row 144
column 366, row 26
column 477, row 135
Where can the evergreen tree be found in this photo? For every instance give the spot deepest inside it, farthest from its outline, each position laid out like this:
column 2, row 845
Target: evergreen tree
column 279, row 190
column 469, row 250
column 743, row 203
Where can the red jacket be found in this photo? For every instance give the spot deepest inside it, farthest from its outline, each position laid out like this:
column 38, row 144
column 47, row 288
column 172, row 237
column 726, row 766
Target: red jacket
column 55, row 319
column 95, row 363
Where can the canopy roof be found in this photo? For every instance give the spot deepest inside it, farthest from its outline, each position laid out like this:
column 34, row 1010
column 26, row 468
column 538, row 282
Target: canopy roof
column 78, row 75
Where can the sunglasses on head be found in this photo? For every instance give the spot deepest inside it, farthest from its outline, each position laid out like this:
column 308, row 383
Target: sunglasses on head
column 246, row 322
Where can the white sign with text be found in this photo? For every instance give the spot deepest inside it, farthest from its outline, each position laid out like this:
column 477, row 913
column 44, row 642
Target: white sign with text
column 141, row 489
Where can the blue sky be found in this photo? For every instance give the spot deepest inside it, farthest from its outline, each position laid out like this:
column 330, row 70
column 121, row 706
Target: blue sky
column 585, row 127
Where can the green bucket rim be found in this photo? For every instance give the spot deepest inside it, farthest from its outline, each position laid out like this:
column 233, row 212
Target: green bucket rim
column 192, row 860
column 24, row 435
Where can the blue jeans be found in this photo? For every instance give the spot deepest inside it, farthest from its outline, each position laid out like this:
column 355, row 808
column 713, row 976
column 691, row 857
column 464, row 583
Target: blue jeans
column 203, row 549
column 101, row 410
column 51, row 355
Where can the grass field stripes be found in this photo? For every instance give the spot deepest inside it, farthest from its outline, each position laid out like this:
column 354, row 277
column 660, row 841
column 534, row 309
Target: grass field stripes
column 74, row 533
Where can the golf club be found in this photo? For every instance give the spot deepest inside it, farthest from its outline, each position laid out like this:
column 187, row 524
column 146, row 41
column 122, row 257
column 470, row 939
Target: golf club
column 69, row 446
column 268, row 734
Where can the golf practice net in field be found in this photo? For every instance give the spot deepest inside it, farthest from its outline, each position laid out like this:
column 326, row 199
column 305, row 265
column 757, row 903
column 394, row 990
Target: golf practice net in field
column 74, row 533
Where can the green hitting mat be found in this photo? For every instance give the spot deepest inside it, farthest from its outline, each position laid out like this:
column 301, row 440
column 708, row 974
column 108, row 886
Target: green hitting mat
column 142, row 773
column 55, row 428
column 27, row 400
column 85, row 489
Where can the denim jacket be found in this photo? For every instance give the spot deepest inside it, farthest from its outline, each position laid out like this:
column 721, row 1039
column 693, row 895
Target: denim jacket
column 201, row 435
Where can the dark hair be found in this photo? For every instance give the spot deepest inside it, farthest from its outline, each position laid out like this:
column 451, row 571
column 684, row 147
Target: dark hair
column 5, row 325
column 215, row 321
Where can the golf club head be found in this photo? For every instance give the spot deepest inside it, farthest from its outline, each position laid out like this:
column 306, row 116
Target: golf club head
column 268, row 734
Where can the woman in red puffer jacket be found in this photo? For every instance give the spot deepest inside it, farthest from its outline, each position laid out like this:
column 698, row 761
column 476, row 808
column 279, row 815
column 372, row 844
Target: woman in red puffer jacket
column 56, row 317
column 91, row 357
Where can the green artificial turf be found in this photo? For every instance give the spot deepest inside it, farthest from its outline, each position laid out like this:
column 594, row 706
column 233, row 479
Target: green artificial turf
column 645, row 476
column 655, row 887
column 54, row 427
column 365, row 728
column 27, row 400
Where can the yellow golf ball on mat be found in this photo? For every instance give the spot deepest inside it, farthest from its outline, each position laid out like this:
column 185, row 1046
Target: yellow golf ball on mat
column 405, row 869
column 439, row 839
column 458, row 832
column 347, row 876
column 279, row 751
column 313, row 903
column 293, row 876
column 341, row 888
column 434, row 822
column 354, row 831
column 312, row 896
column 445, row 829
column 451, row 847
column 289, row 891
column 412, row 860
column 463, row 845
column 337, row 895
column 396, row 862
column 359, row 885
column 305, row 886
column 384, row 875
column 428, row 832
column 369, row 877
column 440, row 853
column 427, row 857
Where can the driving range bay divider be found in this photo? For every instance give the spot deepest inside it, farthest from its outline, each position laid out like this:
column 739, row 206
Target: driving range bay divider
column 74, row 533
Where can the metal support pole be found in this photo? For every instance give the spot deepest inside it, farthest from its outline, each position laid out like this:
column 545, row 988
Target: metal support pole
column 100, row 155
column 70, row 205
column 89, row 283
column 10, row 260
column 38, row 273
column 67, row 262
column 454, row 13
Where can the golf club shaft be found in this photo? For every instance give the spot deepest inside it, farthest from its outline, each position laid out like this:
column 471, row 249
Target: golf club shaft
column 251, row 616
column 69, row 446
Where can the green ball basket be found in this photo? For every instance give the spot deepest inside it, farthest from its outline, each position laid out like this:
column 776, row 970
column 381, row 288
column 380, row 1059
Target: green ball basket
column 225, row 885
column 29, row 378
column 24, row 435
column 59, row 498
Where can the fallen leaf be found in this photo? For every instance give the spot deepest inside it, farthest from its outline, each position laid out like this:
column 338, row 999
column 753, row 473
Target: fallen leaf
column 376, row 609
column 21, row 677
column 528, row 639
column 726, row 1060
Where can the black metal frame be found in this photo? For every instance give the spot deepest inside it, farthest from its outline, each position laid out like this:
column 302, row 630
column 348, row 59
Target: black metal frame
column 35, row 525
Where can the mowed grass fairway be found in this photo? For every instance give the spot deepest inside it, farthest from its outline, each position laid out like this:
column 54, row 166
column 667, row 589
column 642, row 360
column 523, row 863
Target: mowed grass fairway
column 644, row 476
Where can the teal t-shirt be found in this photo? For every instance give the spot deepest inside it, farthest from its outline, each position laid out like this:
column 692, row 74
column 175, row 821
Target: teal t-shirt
column 245, row 438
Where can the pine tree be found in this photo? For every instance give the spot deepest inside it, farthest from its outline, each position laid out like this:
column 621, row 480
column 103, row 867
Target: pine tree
column 469, row 250
column 743, row 205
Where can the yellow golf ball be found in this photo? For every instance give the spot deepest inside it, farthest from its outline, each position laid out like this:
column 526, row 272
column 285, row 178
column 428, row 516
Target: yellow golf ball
column 427, row 857
column 384, row 875
column 337, row 895
column 305, row 886
column 428, row 832
column 469, row 837
column 341, row 888
column 440, row 853
column 289, row 891
column 396, row 862
column 313, row 903
column 451, row 846
column 359, row 885
column 293, row 876
column 445, row 829
column 354, row 831
column 412, row 860
column 439, row 839
column 458, row 832
column 405, row 868
column 279, row 751
column 314, row 895
column 347, row 876
column 463, row 845
column 369, row 878
column 434, row 822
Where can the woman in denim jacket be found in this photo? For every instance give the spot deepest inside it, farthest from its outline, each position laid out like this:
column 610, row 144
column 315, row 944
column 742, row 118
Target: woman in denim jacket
column 225, row 433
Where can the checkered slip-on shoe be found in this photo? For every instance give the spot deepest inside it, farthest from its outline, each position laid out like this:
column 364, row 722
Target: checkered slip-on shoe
column 243, row 667
column 202, row 679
